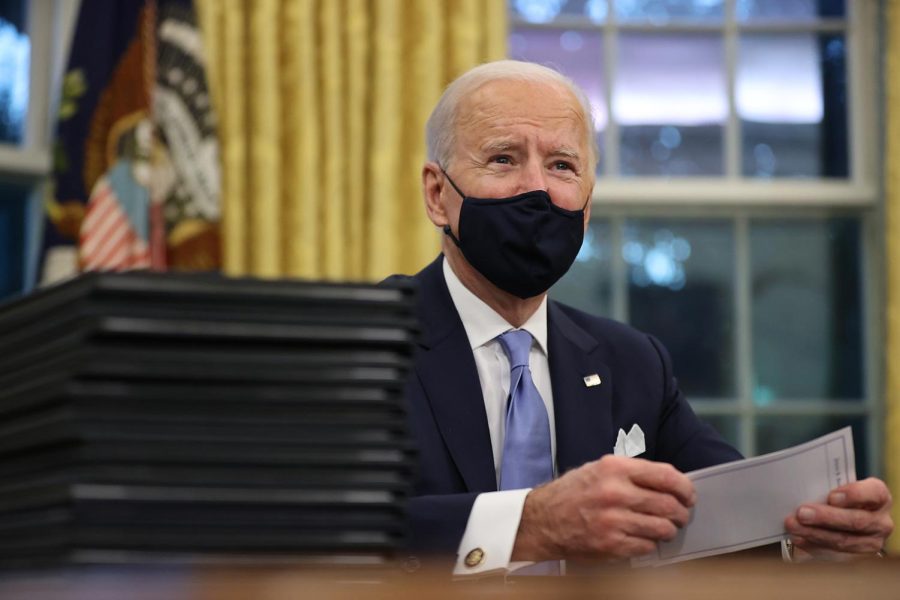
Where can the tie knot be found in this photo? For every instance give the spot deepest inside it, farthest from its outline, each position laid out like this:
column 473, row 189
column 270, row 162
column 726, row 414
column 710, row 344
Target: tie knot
column 517, row 344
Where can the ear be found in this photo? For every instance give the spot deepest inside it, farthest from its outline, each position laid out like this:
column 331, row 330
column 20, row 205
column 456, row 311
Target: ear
column 432, row 189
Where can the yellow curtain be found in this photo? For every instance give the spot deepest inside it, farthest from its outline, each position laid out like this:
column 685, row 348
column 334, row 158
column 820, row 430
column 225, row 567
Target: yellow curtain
column 322, row 107
column 892, row 261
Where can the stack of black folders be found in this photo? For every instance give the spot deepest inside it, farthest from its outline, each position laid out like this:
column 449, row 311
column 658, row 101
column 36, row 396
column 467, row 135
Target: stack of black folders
column 148, row 417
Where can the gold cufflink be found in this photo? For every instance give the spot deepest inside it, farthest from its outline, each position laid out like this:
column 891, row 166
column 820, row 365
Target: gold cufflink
column 592, row 380
column 474, row 558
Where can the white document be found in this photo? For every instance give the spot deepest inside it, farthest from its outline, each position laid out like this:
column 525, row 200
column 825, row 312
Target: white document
column 743, row 504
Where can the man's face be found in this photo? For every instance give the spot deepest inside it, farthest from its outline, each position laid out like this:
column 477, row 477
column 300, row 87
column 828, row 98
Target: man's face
column 514, row 137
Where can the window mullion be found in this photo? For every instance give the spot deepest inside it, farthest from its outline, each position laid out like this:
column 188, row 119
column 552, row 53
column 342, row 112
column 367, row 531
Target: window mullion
column 873, row 326
column 38, row 126
column 861, row 88
column 743, row 334
column 619, row 270
column 610, row 60
column 733, row 126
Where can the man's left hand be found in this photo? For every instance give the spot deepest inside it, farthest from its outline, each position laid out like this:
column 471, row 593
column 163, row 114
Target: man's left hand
column 856, row 520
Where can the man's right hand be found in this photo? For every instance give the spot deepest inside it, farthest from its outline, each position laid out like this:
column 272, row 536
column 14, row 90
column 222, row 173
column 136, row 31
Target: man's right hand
column 614, row 507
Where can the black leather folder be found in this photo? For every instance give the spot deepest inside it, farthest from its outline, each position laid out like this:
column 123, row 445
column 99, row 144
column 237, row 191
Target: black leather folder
column 148, row 417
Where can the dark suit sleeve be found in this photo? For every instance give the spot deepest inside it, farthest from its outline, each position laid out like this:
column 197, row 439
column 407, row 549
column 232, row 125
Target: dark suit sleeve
column 438, row 522
column 439, row 508
column 683, row 439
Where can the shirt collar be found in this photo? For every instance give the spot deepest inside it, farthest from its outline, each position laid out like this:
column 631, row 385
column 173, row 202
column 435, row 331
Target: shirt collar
column 482, row 323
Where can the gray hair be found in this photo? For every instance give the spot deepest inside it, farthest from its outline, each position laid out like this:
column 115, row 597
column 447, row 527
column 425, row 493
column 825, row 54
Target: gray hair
column 440, row 130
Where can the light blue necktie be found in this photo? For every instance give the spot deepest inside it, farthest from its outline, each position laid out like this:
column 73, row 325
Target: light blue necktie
column 527, row 457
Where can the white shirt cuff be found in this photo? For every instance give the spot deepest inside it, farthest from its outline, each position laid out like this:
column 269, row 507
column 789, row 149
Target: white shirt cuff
column 490, row 535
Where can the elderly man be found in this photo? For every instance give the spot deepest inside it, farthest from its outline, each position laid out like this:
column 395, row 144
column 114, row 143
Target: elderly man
column 514, row 399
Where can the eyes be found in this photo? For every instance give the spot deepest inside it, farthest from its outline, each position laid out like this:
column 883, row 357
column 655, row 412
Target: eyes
column 556, row 165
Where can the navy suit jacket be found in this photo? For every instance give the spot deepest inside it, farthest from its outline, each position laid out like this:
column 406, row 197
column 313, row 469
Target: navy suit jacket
column 449, row 423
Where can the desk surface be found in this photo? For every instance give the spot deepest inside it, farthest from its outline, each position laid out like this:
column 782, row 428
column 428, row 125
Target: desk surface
column 712, row 580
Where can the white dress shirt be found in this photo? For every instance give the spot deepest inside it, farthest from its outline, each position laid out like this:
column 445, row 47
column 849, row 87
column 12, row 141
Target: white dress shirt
column 494, row 519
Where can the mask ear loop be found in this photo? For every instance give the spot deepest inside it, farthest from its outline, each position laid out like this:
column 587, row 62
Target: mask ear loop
column 452, row 183
column 447, row 230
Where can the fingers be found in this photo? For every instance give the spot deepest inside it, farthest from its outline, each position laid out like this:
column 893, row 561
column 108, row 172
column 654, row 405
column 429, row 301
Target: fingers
column 850, row 520
column 841, row 541
column 869, row 494
column 658, row 504
column 624, row 534
column 804, row 551
column 628, row 547
column 856, row 519
column 663, row 478
column 647, row 527
column 841, row 529
column 638, row 536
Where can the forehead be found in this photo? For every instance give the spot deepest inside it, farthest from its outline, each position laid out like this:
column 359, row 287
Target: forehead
column 511, row 108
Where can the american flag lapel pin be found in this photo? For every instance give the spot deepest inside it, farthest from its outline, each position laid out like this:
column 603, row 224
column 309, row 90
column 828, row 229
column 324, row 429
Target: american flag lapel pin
column 592, row 380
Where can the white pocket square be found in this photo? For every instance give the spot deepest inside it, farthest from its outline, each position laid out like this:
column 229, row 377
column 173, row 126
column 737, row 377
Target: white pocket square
column 630, row 444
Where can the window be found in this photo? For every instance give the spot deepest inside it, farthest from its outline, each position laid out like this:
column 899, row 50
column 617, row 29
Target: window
column 14, row 61
column 14, row 78
column 33, row 39
column 734, row 211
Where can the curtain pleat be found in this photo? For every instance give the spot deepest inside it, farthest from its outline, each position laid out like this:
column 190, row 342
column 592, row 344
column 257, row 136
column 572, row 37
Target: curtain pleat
column 227, row 69
column 464, row 43
column 263, row 205
column 303, row 188
column 425, row 41
column 358, row 47
column 322, row 107
column 331, row 56
column 495, row 36
column 892, row 262
column 384, row 145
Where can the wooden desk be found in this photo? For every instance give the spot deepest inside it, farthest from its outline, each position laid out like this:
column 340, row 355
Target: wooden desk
column 706, row 580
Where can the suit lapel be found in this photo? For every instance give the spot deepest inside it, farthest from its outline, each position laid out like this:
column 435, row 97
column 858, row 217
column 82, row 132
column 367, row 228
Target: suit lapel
column 583, row 414
column 447, row 371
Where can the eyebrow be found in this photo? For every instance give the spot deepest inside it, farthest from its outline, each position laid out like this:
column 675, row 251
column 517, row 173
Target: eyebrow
column 566, row 152
column 507, row 145
column 500, row 146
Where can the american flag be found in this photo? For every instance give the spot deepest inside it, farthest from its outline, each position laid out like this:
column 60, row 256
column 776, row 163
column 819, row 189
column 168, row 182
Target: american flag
column 107, row 241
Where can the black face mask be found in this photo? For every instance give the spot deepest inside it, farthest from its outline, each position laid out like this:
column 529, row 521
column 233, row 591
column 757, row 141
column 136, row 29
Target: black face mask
column 522, row 244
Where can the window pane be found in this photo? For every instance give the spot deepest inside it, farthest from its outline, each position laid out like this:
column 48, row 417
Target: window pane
column 727, row 426
column 670, row 102
column 577, row 54
column 807, row 309
column 595, row 10
column 681, row 289
column 547, row 11
column 661, row 11
column 15, row 51
column 13, row 203
column 779, row 432
column 791, row 96
column 789, row 10
column 588, row 284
